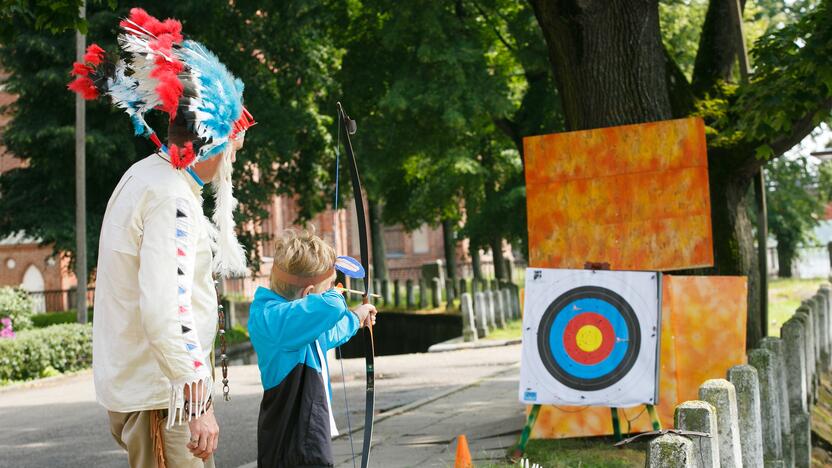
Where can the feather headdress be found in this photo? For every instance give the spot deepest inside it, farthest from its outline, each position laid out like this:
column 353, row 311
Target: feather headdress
column 161, row 70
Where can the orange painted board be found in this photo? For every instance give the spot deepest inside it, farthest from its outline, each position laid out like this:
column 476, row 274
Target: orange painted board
column 700, row 314
column 635, row 196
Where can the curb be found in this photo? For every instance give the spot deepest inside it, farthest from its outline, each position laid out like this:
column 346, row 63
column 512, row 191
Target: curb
column 415, row 405
column 453, row 345
column 42, row 382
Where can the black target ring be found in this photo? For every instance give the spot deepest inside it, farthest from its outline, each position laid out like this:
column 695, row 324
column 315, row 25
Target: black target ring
column 616, row 307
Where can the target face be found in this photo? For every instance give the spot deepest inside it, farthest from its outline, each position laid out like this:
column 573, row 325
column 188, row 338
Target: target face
column 589, row 338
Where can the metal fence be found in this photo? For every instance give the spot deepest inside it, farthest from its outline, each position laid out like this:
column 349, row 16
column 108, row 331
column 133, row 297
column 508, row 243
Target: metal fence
column 463, row 270
column 58, row 300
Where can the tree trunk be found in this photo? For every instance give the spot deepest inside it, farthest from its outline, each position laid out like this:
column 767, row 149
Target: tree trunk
column 449, row 242
column 497, row 256
column 476, row 265
column 611, row 69
column 734, row 252
column 785, row 257
column 608, row 60
column 377, row 236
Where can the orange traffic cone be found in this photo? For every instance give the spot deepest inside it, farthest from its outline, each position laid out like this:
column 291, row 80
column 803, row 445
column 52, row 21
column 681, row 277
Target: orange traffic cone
column 463, row 455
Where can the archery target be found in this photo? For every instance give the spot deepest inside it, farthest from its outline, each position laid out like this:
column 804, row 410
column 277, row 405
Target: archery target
column 590, row 337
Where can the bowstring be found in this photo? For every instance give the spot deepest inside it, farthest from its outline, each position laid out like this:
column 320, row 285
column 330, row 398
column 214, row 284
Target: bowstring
column 338, row 349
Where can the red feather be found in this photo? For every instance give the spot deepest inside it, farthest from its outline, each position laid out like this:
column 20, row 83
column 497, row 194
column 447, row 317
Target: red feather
column 84, row 86
column 181, row 158
column 94, row 55
column 79, row 69
column 152, row 25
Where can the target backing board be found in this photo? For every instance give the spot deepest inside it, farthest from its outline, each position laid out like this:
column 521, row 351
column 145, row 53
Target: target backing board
column 590, row 338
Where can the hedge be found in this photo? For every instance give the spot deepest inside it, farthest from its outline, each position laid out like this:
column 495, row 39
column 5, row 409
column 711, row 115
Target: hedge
column 54, row 318
column 39, row 352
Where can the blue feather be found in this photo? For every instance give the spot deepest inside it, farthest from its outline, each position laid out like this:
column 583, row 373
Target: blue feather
column 219, row 101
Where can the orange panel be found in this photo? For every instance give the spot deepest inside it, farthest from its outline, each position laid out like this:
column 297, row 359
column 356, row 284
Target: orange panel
column 700, row 314
column 635, row 196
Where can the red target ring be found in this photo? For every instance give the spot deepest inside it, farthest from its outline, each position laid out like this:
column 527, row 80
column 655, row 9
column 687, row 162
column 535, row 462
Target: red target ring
column 584, row 351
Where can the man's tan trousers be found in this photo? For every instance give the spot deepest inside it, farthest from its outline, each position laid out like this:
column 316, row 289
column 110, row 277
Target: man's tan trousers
column 135, row 433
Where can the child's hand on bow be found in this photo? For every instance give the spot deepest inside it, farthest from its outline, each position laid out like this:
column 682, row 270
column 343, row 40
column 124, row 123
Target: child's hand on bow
column 366, row 314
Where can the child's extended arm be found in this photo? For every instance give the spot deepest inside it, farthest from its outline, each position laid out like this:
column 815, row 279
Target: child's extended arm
column 348, row 326
column 297, row 323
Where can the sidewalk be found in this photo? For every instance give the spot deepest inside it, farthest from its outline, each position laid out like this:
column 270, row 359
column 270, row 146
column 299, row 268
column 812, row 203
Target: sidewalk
column 423, row 401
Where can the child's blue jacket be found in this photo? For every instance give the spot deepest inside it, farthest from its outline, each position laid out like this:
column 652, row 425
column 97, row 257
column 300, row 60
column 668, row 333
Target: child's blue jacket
column 293, row 427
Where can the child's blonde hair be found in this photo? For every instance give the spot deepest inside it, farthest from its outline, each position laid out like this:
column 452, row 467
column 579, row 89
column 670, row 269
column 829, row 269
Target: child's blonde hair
column 299, row 253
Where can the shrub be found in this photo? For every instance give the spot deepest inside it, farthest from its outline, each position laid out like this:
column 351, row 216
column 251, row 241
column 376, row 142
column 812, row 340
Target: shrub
column 233, row 335
column 16, row 305
column 63, row 348
column 54, row 318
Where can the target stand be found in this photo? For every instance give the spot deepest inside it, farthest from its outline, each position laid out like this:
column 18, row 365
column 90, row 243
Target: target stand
column 590, row 338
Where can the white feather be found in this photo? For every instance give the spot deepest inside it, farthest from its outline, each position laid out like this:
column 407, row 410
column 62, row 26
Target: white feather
column 230, row 259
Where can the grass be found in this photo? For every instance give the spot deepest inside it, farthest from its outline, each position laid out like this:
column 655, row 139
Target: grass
column 513, row 330
column 595, row 452
column 784, row 297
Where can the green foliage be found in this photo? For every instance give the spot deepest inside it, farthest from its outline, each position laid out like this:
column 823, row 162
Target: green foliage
column 53, row 16
column 282, row 51
column 16, row 305
column 447, row 91
column 681, row 24
column 30, row 355
column 234, row 335
column 791, row 81
column 55, row 318
column 795, row 202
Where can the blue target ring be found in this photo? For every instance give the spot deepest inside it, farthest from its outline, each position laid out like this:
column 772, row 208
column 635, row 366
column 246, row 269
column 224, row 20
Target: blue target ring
column 557, row 338
column 557, row 328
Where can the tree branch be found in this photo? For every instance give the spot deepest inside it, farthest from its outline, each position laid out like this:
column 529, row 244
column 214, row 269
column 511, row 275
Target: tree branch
column 681, row 95
column 717, row 51
column 784, row 142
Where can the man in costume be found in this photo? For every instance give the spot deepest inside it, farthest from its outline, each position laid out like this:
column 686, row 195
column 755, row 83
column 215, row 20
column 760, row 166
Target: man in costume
column 155, row 308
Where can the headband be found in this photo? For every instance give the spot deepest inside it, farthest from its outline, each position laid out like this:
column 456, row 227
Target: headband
column 297, row 280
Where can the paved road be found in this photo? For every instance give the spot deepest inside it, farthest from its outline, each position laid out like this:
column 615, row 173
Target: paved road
column 423, row 402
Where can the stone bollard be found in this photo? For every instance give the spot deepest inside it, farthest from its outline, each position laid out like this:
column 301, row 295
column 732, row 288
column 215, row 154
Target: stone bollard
column 763, row 360
column 793, row 334
column 802, row 433
column 515, row 293
column 492, row 309
column 814, row 314
column 436, row 293
column 409, row 297
column 423, row 293
column 481, row 312
column 385, row 291
column 450, row 291
column 803, row 314
column 469, row 323
column 377, row 288
column 700, row 416
column 746, row 382
column 823, row 316
column 670, row 451
column 825, row 293
column 499, row 309
column 508, row 310
column 721, row 394
column 775, row 345
column 397, row 297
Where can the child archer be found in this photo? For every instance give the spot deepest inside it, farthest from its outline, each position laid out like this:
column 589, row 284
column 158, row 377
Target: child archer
column 292, row 325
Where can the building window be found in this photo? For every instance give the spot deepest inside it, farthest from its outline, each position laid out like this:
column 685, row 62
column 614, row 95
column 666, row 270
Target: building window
column 394, row 241
column 421, row 240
